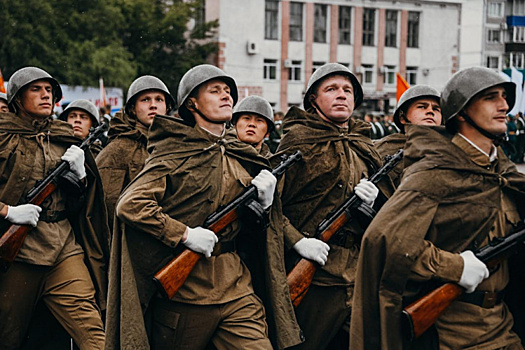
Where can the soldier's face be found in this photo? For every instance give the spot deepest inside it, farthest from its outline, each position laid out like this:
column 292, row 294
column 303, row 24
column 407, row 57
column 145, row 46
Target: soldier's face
column 214, row 100
column 335, row 98
column 3, row 106
column 148, row 105
column 488, row 109
column 425, row 111
column 80, row 121
column 37, row 99
column 251, row 129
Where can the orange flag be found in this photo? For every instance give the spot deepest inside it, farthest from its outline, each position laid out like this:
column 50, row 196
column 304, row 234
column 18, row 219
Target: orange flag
column 2, row 87
column 402, row 86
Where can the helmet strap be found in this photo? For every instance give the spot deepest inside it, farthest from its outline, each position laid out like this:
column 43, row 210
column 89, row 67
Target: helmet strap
column 497, row 139
column 204, row 117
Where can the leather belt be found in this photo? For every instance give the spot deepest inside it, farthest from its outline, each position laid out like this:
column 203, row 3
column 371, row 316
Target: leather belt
column 224, row 247
column 485, row 300
column 52, row 215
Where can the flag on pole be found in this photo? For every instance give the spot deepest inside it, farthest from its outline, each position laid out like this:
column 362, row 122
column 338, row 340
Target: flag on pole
column 517, row 78
column 402, row 86
column 2, row 87
column 103, row 100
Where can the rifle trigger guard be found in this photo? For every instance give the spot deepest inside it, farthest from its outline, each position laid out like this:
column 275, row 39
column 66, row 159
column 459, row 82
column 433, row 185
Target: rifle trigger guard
column 255, row 216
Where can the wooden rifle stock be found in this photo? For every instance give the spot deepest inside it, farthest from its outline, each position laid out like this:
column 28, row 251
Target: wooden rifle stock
column 12, row 240
column 172, row 276
column 301, row 276
column 423, row 313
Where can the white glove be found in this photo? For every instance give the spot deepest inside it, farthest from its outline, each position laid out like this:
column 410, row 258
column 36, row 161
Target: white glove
column 313, row 249
column 265, row 183
column 25, row 214
column 367, row 191
column 75, row 157
column 201, row 240
column 474, row 271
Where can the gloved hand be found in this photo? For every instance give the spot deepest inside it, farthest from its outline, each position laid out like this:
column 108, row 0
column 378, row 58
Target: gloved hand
column 201, row 240
column 25, row 214
column 75, row 157
column 474, row 271
column 312, row 249
column 367, row 191
column 265, row 183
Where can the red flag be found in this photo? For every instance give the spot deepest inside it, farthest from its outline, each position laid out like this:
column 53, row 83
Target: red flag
column 103, row 100
column 402, row 86
column 2, row 87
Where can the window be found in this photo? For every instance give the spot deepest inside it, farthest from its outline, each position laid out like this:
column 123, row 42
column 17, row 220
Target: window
column 369, row 16
column 271, row 18
column 390, row 75
column 345, row 21
column 296, row 21
column 413, row 29
column 412, row 75
column 519, row 8
column 368, row 73
column 494, row 36
column 493, row 62
column 517, row 60
column 518, row 34
column 320, row 23
column 316, row 65
column 495, row 9
column 391, row 28
column 294, row 72
column 270, row 69
column 200, row 18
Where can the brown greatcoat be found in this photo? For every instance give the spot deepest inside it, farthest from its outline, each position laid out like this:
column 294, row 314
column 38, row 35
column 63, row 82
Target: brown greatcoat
column 388, row 146
column 188, row 161
column 443, row 198
column 89, row 222
column 122, row 159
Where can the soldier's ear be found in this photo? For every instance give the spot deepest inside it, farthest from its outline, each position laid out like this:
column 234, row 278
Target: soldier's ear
column 190, row 104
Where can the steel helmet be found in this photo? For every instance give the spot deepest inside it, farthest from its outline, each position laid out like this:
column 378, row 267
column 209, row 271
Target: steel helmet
column 466, row 84
column 144, row 83
column 415, row 92
column 194, row 78
column 86, row 106
column 256, row 105
column 332, row 69
column 27, row 75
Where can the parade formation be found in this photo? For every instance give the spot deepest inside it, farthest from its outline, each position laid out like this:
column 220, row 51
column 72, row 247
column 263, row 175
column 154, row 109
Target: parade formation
column 196, row 220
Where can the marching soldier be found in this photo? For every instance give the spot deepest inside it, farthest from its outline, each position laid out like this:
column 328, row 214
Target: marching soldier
column 63, row 260
column 459, row 191
column 82, row 115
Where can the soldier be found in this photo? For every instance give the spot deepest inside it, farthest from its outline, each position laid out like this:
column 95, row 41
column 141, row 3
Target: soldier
column 253, row 120
column 275, row 135
column 459, row 191
column 63, row 260
column 418, row 105
column 196, row 165
column 124, row 156
column 337, row 158
column 3, row 103
column 82, row 115
column 520, row 138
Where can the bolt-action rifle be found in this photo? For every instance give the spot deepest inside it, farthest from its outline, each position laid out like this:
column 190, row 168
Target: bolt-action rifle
column 301, row 276
column 12, row 240
column 171, row 277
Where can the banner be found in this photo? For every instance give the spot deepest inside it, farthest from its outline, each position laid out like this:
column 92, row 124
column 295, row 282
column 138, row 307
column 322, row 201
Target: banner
column 103, row 99
column 402, row 86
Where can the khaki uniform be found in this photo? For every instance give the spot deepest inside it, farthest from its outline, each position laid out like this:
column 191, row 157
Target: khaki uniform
column 388, row 146
column 122, row 159
column 65, row 246
column 188, row 169
column 451, row 198
column 334, row 160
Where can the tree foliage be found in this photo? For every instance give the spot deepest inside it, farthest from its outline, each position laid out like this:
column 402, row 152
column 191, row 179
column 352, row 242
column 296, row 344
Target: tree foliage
column 80, row 41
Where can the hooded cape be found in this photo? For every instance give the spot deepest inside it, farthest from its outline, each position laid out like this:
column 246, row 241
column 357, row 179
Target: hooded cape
column 444, row 198
column 180, row 152
column 388, row 146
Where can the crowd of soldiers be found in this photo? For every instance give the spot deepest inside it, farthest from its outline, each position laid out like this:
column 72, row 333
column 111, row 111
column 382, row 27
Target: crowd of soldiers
column 83, row 277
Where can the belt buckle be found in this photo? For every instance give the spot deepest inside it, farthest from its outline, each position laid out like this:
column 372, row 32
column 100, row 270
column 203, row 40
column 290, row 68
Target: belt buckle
column 489, row 300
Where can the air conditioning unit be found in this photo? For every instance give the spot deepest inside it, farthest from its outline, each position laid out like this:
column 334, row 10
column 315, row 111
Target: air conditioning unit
column 252, row 48
column 503, row 26
column 358, row 69
column 287, row 63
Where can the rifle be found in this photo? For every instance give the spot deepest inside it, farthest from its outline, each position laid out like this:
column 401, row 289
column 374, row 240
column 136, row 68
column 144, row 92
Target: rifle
column 301, row 276
column 171, row 277
column 12, row 240
column 422, row 313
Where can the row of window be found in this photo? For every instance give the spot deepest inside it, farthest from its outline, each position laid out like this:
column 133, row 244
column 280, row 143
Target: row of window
column 517, row 35
column 345, row 24
column 295, row 68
